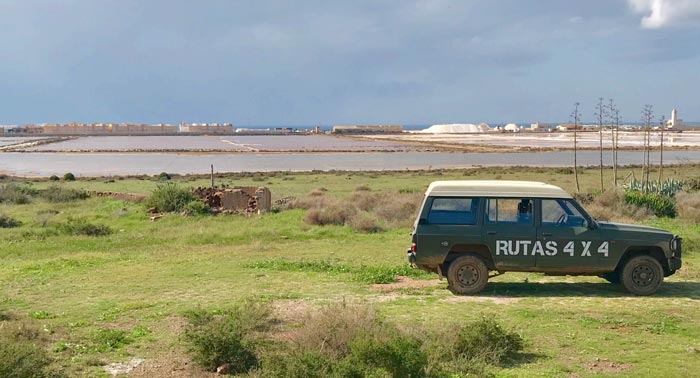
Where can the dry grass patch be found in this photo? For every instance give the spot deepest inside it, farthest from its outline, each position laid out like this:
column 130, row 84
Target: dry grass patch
column 688, row 206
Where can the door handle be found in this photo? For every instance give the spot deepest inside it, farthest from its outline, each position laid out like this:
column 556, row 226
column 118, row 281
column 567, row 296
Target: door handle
column 490, row 232
column 546, row 234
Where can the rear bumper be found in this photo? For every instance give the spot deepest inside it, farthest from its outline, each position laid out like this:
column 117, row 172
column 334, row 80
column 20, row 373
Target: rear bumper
column 411, row 256
column 675, row 262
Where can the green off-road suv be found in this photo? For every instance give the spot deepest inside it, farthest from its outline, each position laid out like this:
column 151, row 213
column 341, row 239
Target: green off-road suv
column 467, row 228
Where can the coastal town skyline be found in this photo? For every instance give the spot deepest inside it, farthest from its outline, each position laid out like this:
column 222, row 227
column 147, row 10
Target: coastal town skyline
column 411, row 63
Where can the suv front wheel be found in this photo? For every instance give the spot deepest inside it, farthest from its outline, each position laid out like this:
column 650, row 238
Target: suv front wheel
column 467, row 275
column 642, row 275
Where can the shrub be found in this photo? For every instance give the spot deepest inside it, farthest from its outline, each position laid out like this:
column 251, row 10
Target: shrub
column 365, row 222
column 304, row 364
column 487, row 340
column 69, row 177
column 611, row 204
column 54, row 178
column 8, row 222
column 164, row 176
column 661, row 206
column 82, row 227
column 400, row 210
column 197, row 207
column 16, row 194
column 393, row 356
column 232, row 336
column 59, row 194
column 688, row 206
column 331, row 329
column 334, row 213
column 169, row 197
column 20, row 352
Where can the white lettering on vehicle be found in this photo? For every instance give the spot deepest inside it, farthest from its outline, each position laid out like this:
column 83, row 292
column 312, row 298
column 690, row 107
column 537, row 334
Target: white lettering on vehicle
column 548, row 248
column 586, row 249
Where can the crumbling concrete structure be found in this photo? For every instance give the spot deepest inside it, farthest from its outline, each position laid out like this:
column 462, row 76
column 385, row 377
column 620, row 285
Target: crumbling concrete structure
column 238, row 199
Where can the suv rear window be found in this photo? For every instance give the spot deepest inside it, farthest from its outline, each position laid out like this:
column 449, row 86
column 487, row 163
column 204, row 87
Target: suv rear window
column 454, row 211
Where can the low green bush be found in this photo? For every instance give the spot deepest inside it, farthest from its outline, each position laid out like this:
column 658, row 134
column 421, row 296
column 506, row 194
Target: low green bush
column 54, row 178
column 82, row 227
column 396, row 356
column 57, row 194
column 69, row 177
column 16, row 194
column 164, row 176
column 21, row 353
column 661, row 206
column 9, row 222
column 197, row 207
column 169, row 197
column 487, row 340
column 230, row 337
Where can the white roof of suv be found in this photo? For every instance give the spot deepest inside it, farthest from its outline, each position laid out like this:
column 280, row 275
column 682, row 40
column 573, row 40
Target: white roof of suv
column 495, row 188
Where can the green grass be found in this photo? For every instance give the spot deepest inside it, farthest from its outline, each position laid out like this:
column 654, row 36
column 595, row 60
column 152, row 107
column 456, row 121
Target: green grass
column 109, row 298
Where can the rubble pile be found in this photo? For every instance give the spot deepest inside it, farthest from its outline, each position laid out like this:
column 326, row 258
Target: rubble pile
column 237, row 199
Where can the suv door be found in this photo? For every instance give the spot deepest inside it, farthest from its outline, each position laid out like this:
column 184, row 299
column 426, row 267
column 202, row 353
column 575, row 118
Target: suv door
column 569, row 244
column 447, row 221
column 509, row 232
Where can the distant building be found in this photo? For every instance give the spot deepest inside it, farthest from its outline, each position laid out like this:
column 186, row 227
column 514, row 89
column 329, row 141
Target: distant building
column 674, row 122
column 366, row 129
column 206, row 128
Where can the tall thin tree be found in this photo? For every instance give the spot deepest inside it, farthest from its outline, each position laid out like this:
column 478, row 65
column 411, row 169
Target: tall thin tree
column 647, row 117
column 600, row 115
column 662, row 126
column 576, row 116
column 614, row 116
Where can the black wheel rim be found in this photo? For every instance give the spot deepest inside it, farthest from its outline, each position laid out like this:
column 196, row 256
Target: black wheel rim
column 643, row 276
column 468, row 275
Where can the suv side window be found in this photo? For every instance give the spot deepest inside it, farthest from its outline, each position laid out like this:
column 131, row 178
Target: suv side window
column 558, row 212
column 454, row 210
column 509, row 210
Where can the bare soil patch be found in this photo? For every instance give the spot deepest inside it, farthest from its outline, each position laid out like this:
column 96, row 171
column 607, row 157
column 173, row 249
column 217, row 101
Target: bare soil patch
column 607, row 366
column 403, row 282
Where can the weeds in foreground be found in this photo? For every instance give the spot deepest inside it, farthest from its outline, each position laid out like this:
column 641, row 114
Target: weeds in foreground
column 231, row 337
column 169, row 197
column 348, row 340
column 21, row 351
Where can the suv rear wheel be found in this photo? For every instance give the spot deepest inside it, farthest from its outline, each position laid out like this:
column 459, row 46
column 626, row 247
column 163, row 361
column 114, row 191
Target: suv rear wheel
column 642, row 275
column 467, row 275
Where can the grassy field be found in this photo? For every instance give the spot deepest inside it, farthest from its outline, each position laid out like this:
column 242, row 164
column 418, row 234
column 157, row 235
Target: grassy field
column 104, row 299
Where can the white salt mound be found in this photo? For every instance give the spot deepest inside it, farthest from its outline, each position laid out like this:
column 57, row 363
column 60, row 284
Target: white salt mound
column 457, row 128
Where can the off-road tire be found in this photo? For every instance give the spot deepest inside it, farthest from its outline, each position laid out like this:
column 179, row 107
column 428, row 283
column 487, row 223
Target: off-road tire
column 612, row 277
column 642, row 275
column 467, row 275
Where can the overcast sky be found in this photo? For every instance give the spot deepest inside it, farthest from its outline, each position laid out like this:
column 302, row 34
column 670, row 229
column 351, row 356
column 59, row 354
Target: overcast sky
column 324, row 62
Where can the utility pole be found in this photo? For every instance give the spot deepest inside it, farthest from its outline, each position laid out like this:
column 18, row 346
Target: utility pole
column 576, row 118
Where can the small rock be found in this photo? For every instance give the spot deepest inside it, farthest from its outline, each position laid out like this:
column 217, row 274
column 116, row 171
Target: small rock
column 224, row 369
column 152, row 210
column 155, row 217
column 693, row 350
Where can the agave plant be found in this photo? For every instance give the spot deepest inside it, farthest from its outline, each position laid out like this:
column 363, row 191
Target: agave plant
column 666, row 188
